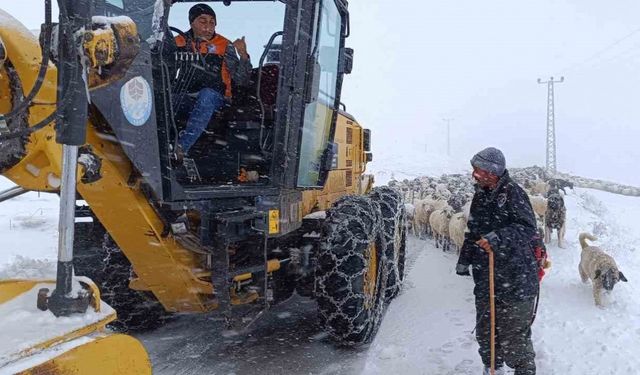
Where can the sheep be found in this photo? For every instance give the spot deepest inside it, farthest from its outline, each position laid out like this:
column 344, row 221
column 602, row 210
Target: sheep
column 442, row 192
column 540, row 187
column 409, row 210
column 539, row 205
column 458, row 226
column 439, row 222
column 423, row 209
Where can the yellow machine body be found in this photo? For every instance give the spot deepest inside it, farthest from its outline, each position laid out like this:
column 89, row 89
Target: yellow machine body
column 87, row 348
column 175, row 275
column 162, row 266
column 347, row 176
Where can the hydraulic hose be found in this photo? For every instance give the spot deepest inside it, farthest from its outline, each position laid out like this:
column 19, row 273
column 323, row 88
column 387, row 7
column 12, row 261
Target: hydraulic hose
column 46, row 52
column 46, row 121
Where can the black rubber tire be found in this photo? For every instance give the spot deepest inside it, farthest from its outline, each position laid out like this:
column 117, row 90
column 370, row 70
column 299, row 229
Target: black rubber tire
column 349, row 311
column 395, row 232
column 98, row 257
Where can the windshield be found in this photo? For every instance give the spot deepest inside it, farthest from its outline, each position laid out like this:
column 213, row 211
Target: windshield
column 256, row 21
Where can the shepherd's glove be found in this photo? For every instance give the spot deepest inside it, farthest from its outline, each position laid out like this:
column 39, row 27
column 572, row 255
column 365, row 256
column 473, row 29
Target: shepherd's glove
column 462, row 270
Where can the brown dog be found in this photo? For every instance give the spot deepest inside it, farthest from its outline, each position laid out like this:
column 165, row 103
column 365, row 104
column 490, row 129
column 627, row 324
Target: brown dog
column 555, row 218
column 598, row 266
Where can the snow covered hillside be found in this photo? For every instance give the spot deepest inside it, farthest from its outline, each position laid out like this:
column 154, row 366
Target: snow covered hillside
column 426, row 330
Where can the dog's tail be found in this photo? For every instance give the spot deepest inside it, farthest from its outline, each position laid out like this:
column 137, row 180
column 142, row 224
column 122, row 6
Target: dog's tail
column 586, row 236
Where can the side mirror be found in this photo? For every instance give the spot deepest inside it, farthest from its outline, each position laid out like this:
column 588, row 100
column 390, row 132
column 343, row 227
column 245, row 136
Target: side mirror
column 368, row 156
column 346, row 61
column 330, row 157
column 366, row 139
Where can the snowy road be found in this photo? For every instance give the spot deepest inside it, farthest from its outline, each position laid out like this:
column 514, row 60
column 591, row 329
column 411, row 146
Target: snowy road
column 288, row 340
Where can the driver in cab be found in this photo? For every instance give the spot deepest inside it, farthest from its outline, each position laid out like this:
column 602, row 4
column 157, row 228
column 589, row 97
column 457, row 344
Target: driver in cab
column 208, row 91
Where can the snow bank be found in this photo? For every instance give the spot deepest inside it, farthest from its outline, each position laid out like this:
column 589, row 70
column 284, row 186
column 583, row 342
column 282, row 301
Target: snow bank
column 23, row 325
column 28, row 268
column 598, row 184
column 28, row 231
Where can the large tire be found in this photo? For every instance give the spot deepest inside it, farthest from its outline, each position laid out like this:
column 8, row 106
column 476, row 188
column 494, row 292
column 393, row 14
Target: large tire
column 395, row 233
column 351, row 272
column 98, row 257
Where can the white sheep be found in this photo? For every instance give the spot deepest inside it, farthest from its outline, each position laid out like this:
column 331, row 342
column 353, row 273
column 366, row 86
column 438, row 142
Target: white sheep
column 410, row 211
column 423, row 209
column 421, row 216
column 539, row 205
column 442, row 192
column 540, row 187
column 439, row 222
column 458, row 226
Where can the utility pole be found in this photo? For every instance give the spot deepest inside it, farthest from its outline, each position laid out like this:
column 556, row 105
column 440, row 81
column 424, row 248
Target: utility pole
column 448, row 121
column 551, row 125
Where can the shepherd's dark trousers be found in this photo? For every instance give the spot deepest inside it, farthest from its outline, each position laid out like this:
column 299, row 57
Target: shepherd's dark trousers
column 513, row 335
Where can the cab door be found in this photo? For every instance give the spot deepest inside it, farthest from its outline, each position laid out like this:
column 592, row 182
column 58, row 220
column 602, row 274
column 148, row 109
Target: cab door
column 322, row 96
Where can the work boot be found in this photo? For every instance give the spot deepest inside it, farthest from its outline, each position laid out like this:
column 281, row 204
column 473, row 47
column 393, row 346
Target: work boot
column 528, row 370
column 499, row 371
column 178, row 155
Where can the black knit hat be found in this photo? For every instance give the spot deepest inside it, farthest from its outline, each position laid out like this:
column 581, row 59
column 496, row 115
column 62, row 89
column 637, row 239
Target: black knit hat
column 491, row 160
column 200, row 9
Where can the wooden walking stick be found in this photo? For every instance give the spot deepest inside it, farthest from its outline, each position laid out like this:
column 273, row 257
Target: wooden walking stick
column 492, row 312
column 484, row 244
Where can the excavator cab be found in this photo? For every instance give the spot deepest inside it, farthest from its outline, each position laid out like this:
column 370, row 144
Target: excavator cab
column 237, row 146
column 274, row 131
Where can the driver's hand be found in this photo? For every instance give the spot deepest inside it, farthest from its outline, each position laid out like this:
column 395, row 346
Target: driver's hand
column 241, row 46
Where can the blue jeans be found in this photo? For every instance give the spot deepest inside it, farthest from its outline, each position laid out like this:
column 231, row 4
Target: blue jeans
column 208, row 102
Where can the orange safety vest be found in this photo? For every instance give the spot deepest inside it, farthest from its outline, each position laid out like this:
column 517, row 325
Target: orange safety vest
column 217, row 46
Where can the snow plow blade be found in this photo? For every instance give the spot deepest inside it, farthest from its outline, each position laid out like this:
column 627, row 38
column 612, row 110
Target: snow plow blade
column 36, row 342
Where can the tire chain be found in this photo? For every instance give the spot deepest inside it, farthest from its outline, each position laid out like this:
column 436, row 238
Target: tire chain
column 111, row 271
column 363, row 215
column 393, row 215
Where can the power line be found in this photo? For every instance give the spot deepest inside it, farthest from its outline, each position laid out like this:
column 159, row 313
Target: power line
column 625, row 54
column 600, row 52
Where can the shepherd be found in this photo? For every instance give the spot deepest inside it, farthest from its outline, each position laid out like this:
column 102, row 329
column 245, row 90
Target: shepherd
column 501, row 226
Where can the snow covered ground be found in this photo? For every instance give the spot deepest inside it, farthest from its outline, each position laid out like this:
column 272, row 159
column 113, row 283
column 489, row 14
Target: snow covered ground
column 28, row 234
column 426, row 330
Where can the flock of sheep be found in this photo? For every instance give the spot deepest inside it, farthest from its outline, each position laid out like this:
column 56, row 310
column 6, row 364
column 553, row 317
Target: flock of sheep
column 439, row 207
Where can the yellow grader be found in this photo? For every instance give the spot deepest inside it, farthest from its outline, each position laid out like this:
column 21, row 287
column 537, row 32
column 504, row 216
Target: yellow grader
column 273, row 200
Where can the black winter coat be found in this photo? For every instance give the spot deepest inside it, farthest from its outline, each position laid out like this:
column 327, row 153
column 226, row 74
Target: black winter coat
column 505, row 218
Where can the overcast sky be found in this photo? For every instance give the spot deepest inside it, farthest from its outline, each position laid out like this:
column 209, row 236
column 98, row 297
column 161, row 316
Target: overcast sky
column 417, row 62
